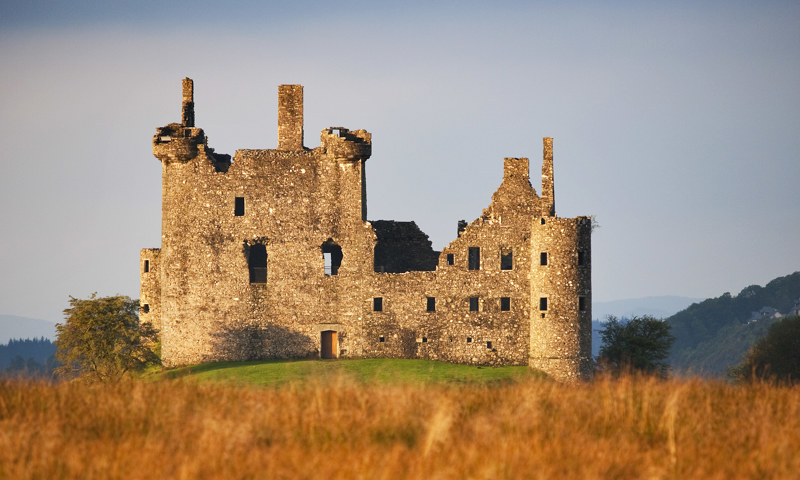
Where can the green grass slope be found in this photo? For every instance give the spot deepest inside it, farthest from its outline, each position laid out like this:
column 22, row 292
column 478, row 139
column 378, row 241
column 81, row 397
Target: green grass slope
column 279, row 372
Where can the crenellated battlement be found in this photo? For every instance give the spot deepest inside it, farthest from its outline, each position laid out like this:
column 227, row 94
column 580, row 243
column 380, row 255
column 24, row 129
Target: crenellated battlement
column 342, row 143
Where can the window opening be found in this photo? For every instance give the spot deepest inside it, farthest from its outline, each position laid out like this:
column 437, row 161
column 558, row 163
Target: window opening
column 582, row 304
column 146, row 266
column 473, row 304
column 469, row 339
column 257, row 262
column 431, row 304
column 489, row 345
column 377, row 304
column 238, row 206
column 581, row 257
column 332, row 257
column 450, row 259
column 474, row 258
column 543, row 303
column 543, row 258
column 424, row 339
column 145, row 308
column 381, row 339
column 505, row 304
column 506, row 259
column 543, row 222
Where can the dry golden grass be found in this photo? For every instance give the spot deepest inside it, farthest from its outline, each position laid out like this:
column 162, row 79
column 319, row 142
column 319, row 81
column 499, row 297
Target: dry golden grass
column 624, row 428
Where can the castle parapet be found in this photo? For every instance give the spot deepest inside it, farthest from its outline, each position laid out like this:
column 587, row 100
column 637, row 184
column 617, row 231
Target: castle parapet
column 176, row 143
column 341, row 143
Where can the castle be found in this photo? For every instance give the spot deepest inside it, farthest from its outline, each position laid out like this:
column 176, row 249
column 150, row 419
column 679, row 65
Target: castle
column 270, row 255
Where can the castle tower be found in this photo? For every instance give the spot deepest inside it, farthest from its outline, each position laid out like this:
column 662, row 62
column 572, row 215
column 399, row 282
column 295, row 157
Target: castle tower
column 561, row 297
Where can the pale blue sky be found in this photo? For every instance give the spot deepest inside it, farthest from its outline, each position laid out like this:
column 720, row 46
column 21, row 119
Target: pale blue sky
column 676, row 125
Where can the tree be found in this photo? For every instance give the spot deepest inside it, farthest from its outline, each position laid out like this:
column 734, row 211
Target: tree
column 102, row 339
column 641, row 344
column 776, row 356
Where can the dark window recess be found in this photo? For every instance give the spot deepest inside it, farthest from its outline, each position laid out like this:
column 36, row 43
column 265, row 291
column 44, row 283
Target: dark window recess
column 146, row 266
column 543, row 258
column 543, row 303
column 431, row 304
column 473, row 304
column 238, row 206
column 145, row 308
column 469, row 339
column 450, row 259
column 543, row 222
column 506, row 260
column 377, row 304
column 582, row 304
column 474, row 258
column 332, row 256
column 489, row 345
column 581, row 257
column 505, row 304
column 424, row 339
column 257, row 262
column 381, row 339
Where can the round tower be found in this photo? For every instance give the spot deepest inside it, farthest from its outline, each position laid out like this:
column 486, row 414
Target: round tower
column 561, row 297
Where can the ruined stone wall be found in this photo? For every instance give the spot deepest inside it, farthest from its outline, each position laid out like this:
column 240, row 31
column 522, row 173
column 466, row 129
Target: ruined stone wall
column 150, row 291
column 561, row 316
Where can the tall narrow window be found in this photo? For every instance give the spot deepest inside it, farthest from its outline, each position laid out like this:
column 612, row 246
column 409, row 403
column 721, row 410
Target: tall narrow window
column 257, row 262
column 332, row 257
column 146, row 266
column 450, row 259
column 431, row 304
column 473, row 304
column 377, row 304
column 581, row 257
column 474, row 258
column 506, row 259
column 582, row 304
column 505, row 304
column 238, row 206
column 543, row 303
column 543, row 258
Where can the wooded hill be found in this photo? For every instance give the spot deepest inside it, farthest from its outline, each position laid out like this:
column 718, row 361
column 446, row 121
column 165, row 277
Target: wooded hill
column 714, row 334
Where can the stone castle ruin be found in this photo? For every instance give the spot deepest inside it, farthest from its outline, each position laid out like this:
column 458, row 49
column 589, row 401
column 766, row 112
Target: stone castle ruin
column 269, row 254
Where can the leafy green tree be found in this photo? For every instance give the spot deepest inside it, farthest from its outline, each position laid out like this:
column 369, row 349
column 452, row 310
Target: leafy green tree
column 640, row 344
column 776, row 356
column 101, row 339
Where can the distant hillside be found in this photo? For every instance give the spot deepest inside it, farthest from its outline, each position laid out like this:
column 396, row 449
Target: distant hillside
column 14, row 327
column 714, row 334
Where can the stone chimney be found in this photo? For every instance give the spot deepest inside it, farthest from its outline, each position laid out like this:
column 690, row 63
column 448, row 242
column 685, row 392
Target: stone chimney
column 548, row 190
column 290, row 117
column 187, row 106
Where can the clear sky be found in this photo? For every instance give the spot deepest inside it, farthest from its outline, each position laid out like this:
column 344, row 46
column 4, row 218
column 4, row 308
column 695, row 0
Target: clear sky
column 677, row 124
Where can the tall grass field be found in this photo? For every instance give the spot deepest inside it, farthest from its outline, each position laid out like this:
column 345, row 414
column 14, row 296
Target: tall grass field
column 351, row 425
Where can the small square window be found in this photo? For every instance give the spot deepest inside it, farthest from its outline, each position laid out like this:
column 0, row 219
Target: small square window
column 381, row 339
column 473, row 304
column 377, row 304
column 489, row 345
column 145, row 308
column 238, row 206
column 543, row 258
column 543, row 303
column 431, row 304
column 424, row 339
column 450, row 259
column 469, row 339
column 505, row 304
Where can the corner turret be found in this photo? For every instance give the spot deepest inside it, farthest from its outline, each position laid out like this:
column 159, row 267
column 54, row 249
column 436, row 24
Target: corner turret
column 343, row 144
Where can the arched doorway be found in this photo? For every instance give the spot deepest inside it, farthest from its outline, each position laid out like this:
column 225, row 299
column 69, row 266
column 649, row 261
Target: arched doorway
column 330, row 344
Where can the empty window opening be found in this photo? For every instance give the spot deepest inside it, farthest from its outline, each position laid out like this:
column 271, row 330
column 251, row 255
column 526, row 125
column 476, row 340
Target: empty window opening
column 332, row 257
column 505, row 304
column 431, row 304
column 450, row 259
column 506, row 259
column 543, row 222
column 473, row 304
column 543, row 303
column 469, row 339
column 146, row 266
column 238, row 206
column 377, row 304
column 582, row 304
column 581, row 257
column 381, row 339
column 543, row 258
column 145, row 308
column 489, row 345
column 424, row 339
column 257, row 262
column 474, row 258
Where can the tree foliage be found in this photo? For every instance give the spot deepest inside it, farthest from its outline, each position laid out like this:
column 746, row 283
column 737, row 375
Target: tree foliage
column 641, row 344
column 776, row 356
column 101, row 339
